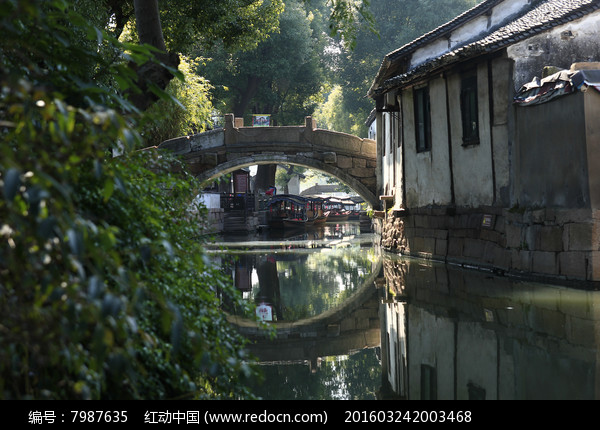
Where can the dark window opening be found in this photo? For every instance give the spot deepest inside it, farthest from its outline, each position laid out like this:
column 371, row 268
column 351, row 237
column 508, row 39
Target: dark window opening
column 422, row 119
column 469, row 110
column 428, row 382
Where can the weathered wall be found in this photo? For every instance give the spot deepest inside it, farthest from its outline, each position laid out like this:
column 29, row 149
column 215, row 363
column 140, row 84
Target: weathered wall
column 551, row 155
column 478, row 173
column 561, row 46
column 427, row 173
column 592, row 127
column 472, row 165
column 551, row 244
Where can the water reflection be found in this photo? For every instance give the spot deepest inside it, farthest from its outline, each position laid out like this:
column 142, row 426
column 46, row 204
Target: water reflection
column 301, row 277
column 356, row 323
column 452, row 333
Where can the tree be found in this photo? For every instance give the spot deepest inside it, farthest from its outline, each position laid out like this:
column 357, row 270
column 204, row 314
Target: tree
column 398, row 22
column 191, row 114
column 238, row 24
column 267, row 79
column 104, row 290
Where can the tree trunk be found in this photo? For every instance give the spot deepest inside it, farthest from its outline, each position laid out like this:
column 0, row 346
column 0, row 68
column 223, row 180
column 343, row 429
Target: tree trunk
column 249, row 92
column 150, row 32
column 148, row 23
column 265, row 177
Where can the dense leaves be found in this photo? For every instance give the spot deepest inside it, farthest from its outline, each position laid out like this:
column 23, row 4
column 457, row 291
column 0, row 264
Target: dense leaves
column 267, row 79
column 105, row 291
column 397, row 22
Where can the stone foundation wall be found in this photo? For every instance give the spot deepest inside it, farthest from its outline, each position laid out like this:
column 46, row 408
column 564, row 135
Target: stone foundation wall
column 214, row 221
column 554, row 244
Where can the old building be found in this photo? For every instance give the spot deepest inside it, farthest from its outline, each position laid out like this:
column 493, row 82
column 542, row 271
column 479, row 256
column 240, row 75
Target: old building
column 480, row 162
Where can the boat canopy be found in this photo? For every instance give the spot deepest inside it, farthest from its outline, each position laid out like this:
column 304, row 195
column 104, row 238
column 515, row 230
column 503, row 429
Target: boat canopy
column 289, row 197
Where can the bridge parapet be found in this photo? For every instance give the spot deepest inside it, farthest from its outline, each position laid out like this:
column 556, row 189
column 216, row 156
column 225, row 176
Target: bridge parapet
column 350, row 158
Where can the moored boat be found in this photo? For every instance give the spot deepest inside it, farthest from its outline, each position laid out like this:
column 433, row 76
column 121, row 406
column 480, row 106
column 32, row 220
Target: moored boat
column 338, row 216
column 287, row 211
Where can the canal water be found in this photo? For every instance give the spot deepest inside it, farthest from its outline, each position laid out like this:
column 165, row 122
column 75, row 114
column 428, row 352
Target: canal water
column 354, row 322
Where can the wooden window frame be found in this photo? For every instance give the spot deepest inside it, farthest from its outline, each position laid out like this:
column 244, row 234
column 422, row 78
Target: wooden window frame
column 422, row 113
column 469, row 109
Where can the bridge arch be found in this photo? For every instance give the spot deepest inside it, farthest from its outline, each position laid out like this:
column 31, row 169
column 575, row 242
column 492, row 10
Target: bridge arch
column 349, row 158
column 230, row 166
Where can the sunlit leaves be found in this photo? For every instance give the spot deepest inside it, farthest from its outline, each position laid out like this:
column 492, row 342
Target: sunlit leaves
column 192, row 112
column 103, row 291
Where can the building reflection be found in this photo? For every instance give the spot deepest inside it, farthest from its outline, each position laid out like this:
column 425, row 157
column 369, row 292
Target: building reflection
column 454, row 333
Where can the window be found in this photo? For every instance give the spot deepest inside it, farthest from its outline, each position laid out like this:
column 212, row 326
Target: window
column 469, row 110
column 428, row 382
column 384, row 137
column 422, row 119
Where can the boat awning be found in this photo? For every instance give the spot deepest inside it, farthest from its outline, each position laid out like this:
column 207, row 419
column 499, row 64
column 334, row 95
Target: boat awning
column 288, row 197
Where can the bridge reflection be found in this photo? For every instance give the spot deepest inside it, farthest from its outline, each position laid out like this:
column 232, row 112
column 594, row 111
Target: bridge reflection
column 448, row 332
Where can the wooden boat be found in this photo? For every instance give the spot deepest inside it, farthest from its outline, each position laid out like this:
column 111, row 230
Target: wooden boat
column 290, row 223
column 287, row 211
column 338, row 216
column 315, row 213
column 321, row 219
column 337, row 211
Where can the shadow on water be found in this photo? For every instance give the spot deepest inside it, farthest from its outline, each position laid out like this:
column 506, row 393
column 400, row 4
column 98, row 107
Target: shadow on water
column 421, row 329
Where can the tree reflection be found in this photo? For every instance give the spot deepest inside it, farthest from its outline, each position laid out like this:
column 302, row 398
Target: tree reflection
column 321, row 282
column 350, row 377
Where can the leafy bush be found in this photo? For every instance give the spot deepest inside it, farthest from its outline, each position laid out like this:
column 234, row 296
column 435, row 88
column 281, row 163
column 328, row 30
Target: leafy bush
column 105, row 290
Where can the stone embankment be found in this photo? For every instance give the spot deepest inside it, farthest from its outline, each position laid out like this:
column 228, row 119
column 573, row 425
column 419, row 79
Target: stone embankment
column 551, row 244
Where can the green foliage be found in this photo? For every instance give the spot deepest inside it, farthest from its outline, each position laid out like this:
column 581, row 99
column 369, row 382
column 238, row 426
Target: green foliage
column 238, row 24
column 192, row 112
column 329, row 116
column 105, row 291
column 267, row 79
column 397, row 22
column 346, row 17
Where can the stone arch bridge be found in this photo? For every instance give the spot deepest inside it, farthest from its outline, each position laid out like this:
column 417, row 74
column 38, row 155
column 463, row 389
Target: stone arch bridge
column 349, row 158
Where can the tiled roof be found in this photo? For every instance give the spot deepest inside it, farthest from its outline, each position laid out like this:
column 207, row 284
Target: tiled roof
column 540, row 16
column 443, row 29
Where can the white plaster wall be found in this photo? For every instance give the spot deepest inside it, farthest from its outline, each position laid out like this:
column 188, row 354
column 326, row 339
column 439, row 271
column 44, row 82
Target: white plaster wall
column 506, row 9
column 388, row 157
column 477, row 360
column 431, row 342
column 472, row 165
column 440, row 158
column 427, row 174
column 468, row 31
column 431, row 50
column 400, row 200
column 372, row 131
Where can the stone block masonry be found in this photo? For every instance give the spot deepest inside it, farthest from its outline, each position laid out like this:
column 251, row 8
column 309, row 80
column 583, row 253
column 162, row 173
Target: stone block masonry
column 555, row 245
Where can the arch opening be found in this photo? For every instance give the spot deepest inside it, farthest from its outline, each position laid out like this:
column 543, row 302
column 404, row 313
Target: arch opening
column 258, row 159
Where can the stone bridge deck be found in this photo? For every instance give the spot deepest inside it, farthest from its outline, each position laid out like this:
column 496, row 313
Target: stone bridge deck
column 349, row 158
